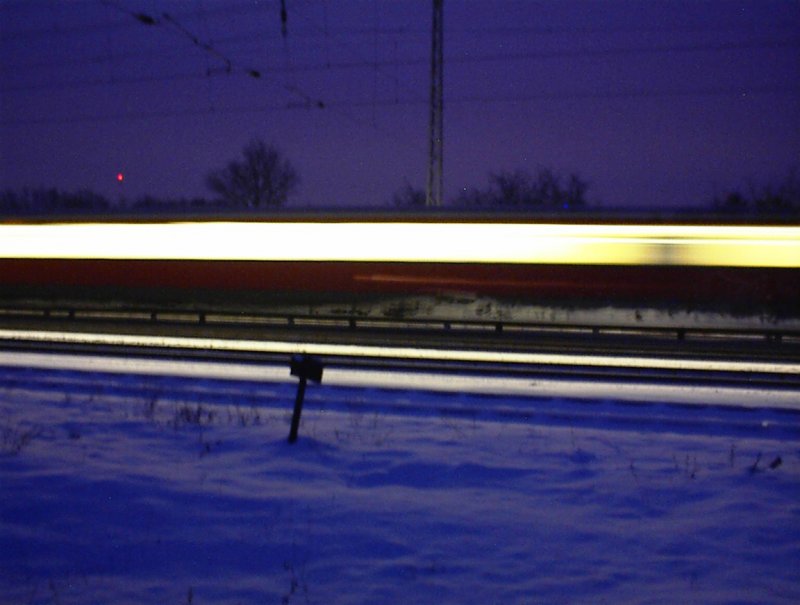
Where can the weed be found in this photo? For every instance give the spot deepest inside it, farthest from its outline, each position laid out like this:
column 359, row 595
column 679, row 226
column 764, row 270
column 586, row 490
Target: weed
column 188, row 415
column 206, row 445
column 150, row 407
column 691, row 467
column 296, row 583
column 635, row 475
column 251, row 417
column 367, row 429
column 14, row 439
column 460, row 427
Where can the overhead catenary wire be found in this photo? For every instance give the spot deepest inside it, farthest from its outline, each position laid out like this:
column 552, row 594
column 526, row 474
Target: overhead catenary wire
column 377, row 65
column 226, row 8
column 378, row 69
column 290, row 68
column 248, row 7
column 211, row 49
column 386, row 68
column 207, row 47
column 187, row 112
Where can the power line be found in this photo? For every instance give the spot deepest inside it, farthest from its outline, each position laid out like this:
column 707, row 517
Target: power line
column 227, row 8
column 249, row 7
column 75, row 29
column 210, row 49
column 472, row 58
column 131, row 80
column 417, row 61
column 347, row 48
column 622, row 51
column 417, row 101
column 148, row 20
column 632, row 94
column 345, row 114
column 577, row 95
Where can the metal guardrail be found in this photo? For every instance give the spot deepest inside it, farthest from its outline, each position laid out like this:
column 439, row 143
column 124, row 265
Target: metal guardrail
column 755, row 371
column 767, row 359
column 316, row 321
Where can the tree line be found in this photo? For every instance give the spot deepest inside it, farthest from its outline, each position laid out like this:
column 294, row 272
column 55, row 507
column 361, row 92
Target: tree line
column 775, row 199
column 511, row 190
column 262, row 178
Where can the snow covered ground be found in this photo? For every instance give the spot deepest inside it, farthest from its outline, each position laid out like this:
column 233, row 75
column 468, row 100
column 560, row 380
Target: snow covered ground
column 126, row 488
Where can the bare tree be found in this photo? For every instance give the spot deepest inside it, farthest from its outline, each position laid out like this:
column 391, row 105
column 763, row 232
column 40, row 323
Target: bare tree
column 261, row 178
column 409, row 198
column 518, row 190
column 778, row 199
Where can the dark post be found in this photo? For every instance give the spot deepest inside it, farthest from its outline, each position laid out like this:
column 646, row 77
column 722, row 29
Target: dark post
column 305, row 368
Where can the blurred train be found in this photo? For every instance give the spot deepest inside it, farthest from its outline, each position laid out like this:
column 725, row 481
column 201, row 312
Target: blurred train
column 735, row 268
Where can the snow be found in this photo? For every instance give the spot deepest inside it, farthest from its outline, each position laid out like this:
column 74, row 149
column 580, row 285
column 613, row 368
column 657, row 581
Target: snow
column 130, row 488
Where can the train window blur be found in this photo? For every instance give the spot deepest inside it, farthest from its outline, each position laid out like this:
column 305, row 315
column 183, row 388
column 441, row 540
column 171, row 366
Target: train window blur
column 561, row 111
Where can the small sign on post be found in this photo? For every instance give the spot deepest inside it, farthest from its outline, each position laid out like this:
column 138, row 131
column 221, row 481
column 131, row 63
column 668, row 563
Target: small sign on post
column 305, row 368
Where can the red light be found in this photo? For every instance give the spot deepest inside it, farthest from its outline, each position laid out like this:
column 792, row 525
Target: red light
column 120, row 177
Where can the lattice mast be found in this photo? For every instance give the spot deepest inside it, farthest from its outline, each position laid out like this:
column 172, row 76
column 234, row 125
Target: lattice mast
column 435, row 159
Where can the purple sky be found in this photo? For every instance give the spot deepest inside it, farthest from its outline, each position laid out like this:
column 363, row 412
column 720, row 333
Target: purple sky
column 655, row 103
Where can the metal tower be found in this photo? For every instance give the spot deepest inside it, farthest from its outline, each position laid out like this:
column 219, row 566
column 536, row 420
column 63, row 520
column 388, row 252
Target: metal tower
column 434, row 192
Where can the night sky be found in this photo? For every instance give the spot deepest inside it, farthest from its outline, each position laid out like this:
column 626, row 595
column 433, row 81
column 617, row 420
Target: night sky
column 656, row 104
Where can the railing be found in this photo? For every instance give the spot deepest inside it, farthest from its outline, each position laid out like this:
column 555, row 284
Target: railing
column 342, row 324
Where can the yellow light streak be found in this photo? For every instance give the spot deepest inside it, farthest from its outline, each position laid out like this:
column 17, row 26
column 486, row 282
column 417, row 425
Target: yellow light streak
column 516, row 243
